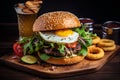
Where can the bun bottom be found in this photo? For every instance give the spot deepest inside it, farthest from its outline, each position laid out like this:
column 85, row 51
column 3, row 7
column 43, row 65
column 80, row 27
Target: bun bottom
column 65, row 61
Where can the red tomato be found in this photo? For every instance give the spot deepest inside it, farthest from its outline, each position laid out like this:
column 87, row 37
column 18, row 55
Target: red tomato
column 18, row 50
column 72, row 45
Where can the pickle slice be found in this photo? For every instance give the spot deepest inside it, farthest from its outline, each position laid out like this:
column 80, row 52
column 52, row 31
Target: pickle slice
column 29, row 59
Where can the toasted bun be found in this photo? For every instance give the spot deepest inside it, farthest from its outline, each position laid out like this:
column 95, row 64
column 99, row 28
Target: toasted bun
column 56, row 20
column 65, row 61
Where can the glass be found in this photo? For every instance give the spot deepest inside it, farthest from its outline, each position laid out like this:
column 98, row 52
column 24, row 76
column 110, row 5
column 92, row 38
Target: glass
column 25, row 22
column 111, row 30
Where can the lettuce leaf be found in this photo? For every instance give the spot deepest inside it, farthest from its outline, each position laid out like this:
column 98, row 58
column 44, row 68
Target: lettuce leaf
column 44, row 57
column 83, row 51
column 61, row 48
column 86, row 36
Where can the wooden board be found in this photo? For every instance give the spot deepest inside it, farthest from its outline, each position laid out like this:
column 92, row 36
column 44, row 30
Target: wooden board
column 52, row 71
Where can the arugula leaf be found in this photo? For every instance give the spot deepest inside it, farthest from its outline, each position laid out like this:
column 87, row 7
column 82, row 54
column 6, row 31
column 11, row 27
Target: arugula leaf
column 86, row 35
column 31, row 50
column 28, row 47
column 38, row 44
column 52, row 45
column 83, row 51
column 25, row 48
column 93, row 35
column 88, row 42
column 61, row 48
column 32, row 44
column 37, row 47
column 24, row 40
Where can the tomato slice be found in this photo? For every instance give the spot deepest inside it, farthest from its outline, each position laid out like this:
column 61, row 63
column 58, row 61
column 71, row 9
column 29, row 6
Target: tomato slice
column 72, row 45
column 18, row 50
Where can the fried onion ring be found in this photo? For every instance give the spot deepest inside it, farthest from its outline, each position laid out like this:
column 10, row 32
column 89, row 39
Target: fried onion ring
column 110, row 48
column 105, row 43
column 95, row 53
column 95, row 40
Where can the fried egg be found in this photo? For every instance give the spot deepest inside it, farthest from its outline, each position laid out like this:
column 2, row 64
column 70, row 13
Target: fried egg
column 60, row 36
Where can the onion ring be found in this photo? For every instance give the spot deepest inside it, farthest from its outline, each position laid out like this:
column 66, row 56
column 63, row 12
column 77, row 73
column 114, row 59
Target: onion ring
column 105, row 43
column 95, row 40
column 110, row 48
column 95, row 53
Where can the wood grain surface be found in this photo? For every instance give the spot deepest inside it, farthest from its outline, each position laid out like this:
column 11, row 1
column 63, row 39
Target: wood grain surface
column 52, row 71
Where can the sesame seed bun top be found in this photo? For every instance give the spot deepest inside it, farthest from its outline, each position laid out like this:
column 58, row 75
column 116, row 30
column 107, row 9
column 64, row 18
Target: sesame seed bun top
column 55, row 21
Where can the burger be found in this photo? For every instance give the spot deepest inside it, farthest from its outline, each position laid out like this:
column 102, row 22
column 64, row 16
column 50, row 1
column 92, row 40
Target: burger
column 59, row 39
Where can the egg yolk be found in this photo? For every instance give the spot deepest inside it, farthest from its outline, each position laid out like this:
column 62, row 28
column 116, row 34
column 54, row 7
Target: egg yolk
column 64, row 33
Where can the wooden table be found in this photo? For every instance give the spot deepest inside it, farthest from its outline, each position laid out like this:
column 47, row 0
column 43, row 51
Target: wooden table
column 9, row 33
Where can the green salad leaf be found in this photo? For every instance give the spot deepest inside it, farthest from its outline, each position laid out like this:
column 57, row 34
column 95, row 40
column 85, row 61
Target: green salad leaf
column 83, row 51
column 31, row 44
column 28, row 47
column 86, row 36
column 44, row 57
column 61, row 48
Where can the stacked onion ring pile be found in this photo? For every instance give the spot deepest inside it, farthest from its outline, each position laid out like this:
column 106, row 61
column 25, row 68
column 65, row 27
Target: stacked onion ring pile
column 106, row 44
column 99, row 47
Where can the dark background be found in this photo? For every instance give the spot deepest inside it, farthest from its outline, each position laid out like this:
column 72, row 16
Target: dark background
column 99, row 10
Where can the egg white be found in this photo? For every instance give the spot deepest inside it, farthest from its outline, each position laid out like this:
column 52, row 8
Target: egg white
column 52, row 37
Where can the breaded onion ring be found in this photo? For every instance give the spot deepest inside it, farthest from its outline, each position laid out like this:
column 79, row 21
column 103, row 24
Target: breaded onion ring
column 95, row 53
column 95, row 40
column 110, row 48
column 105, row 43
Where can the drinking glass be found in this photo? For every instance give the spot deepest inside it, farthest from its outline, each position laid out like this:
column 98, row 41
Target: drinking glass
column 25, row 22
